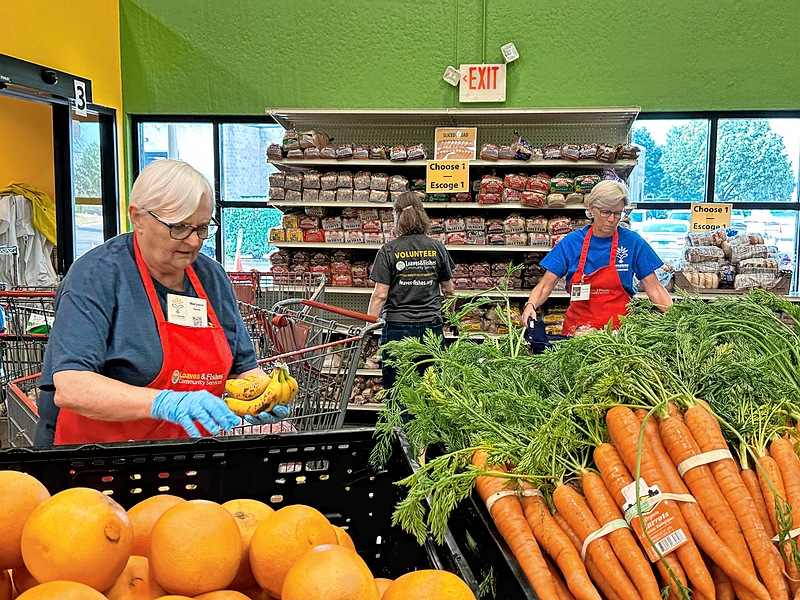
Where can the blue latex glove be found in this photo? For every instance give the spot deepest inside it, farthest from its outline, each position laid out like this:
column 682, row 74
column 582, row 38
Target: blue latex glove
column 184, row 408
column 278, row 414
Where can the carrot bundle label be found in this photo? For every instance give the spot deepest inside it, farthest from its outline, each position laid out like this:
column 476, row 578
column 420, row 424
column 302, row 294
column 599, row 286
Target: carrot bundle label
column 706, row 458
column 661, row 525
column 606, row 529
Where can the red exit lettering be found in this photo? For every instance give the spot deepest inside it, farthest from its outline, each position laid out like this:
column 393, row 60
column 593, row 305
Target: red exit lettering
column 486, row 78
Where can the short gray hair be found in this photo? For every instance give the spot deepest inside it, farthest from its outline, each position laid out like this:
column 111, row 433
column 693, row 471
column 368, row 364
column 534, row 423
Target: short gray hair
column 172, row 189
column 607, row 193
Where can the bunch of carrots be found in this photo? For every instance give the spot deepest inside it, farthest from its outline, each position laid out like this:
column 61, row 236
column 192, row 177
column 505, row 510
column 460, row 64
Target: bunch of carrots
column 729, row 527
column 550, row 442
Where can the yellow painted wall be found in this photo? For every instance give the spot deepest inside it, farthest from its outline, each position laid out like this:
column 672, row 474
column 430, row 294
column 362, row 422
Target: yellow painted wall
column 26, row 150
column 80, row 37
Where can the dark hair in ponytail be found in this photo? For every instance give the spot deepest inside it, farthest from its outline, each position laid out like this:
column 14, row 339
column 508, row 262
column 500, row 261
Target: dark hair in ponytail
column 410, row 216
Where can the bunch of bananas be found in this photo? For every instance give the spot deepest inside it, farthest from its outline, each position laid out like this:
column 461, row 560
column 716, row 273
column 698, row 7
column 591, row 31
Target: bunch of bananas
column 257, row 393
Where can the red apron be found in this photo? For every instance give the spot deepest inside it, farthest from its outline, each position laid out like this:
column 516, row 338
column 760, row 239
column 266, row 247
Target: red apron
column 195, row 358
column 607, row 299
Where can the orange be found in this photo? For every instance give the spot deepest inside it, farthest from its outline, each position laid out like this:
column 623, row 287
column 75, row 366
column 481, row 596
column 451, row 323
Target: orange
column 20, row 494
column 6, row 588
column 284, row 537
column 174, row 598
column 144, row 515
column 222, row 595
column 78, row 535
column 23, row 580
column 330, row 572
column 382, row 584
column 195, row 547
column 257, row 594
column 62, row 590
column 135, row 582
column 248, row 514
column 344, row 538
column 428, row 583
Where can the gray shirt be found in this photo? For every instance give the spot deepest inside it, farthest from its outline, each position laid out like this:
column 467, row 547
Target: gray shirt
column 412, row 266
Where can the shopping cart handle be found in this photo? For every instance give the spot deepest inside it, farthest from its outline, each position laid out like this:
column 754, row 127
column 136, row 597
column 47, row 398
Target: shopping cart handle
column 340, row 311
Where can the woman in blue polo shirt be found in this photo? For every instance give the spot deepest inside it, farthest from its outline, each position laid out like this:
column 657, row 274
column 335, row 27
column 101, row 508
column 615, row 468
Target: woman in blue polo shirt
column 600, row 262
column 146, row 328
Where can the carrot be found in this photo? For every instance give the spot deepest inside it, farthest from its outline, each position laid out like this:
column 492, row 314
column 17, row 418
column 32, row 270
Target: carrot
column 616, row 476
column 510, row 521
column 561, row 588
column 555, row 542
column 591, row 568
column 622, row 540
column 623, row 426
column 750, row 480
column 722, row 585
column 678, row 445
column 706, row 431
column 674, row 411
column 782, row 452
column 573, row 508
column 773, row 472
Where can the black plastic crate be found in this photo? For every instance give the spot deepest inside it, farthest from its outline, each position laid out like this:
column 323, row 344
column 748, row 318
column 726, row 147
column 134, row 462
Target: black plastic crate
column 327, row 470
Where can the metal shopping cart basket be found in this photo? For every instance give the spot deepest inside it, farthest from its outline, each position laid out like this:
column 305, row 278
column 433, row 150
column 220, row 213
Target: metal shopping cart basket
column 262, row 289
column 23, row 412
column 320, row 353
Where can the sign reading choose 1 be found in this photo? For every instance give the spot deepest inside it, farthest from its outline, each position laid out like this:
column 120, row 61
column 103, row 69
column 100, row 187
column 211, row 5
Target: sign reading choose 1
column 708, row 216
column 447, row 176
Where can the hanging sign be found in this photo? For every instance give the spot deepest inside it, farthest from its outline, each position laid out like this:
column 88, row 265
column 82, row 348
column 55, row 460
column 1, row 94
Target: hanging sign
column 80, row 98
column 708, row 216
column 447, row 176
column 482, row 83
column 454, row 143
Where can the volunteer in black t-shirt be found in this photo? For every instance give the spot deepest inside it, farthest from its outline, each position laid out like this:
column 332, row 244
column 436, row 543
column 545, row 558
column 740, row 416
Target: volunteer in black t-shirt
column 411, row 274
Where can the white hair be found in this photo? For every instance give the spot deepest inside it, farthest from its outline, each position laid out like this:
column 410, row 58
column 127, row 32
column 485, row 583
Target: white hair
column 172, row 189
column 606, row 194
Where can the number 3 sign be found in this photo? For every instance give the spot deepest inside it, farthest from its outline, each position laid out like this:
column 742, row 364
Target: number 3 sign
column 80, row 98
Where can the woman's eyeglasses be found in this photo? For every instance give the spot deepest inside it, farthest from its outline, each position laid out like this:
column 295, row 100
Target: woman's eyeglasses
column 605, row 214
column 181, row 232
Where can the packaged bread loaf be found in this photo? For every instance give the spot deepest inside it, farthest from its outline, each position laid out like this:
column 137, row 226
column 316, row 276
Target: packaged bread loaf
column 606, row 153
column 761, row 266
column 378, row 153
column 277, row 179
column 475, row 223
column 571, row 152
column 561, row 184
column 398, row 153
column 709, row 238
column 315, row 211
column 277, row 193
column 538, row 239
column 274, row 152
column 586, row 183
column 294, row 153
column 344, row 151
column 556, row 201
column 311, row 153
column 457, row 238
column 491, row 184
column 344, row 179
column 361, row 180
column 327, row 195
column 516, row 239
column 515, row 182
column 310, row 195
column 379, row 181
column 559, row 226
column 494, row 226
column 505, row 153
column 489, row 152
column 328, row 152
column 538, row 183
column 588, row 151
column 293, row 181
column 536, row 225
column 328, row 181
column 277, row 234
column 398, row 183
column 291, row 140
column 574, row 199
column 378, row 196
column 461, row 197
column 696, row 254
column 703, row 280
column 740, row 253
column 552, row 152
column 313, row 235
column 454, row 224
column 360, row 153
column 476, row 238
column 344, row 194
column 521, row 148
column 511, row 196
column 489, row 199
column 764, row 280
column 417, row 152
column 514, row 223
column 293, row 196
column 711, row 266
column 480, row 269
column 534, row 199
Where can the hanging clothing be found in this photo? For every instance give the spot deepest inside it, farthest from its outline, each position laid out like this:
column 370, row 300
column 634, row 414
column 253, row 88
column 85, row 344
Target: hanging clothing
column 195, row 358
column 35, row 249
column 44, row 208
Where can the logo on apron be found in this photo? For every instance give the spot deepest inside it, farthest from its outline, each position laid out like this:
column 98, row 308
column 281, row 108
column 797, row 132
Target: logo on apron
column 176, row 375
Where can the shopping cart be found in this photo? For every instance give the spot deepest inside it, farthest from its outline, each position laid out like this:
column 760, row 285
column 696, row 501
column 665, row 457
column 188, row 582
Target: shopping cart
column 262, row 289
column 23, row 413
column 321, row 354
column 256, row 291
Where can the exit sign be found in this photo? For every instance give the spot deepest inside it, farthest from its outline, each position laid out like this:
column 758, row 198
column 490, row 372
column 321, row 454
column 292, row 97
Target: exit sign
column 482, row 83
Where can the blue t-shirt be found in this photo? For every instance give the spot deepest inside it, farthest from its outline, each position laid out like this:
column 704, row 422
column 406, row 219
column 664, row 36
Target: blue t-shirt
column 104, row 323
column 634, row 256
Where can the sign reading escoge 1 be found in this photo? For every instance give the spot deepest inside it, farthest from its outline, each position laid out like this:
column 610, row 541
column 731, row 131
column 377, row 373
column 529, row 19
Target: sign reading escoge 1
column 447, row 176
column 708, row 216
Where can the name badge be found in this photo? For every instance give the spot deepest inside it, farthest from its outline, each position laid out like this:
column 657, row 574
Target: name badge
column 184, row 310
column 580, row 291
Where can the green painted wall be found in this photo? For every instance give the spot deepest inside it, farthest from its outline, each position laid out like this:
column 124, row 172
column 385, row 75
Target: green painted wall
column 241, row 56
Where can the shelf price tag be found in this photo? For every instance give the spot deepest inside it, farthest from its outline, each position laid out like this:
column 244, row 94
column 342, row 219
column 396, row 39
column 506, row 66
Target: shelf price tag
column 447, row 176
column 708, row 216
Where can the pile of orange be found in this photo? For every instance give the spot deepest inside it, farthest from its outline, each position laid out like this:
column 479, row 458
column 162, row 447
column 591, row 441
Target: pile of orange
column 81, row 545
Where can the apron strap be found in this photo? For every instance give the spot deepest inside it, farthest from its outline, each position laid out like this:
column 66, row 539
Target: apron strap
column 147, row 279
column 585, row 250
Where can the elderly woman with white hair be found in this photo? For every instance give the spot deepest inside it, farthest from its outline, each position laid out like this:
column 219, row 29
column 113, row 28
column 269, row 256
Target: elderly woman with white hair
column 147, row 329
column 600, row 262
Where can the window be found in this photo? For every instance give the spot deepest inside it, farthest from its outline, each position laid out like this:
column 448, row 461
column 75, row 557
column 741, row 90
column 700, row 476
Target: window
column 757, row 160
column 244, row 168
column 87, row 183
column 245, row 231
column 675, row 156
column 189, row 142
column 664, row 230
